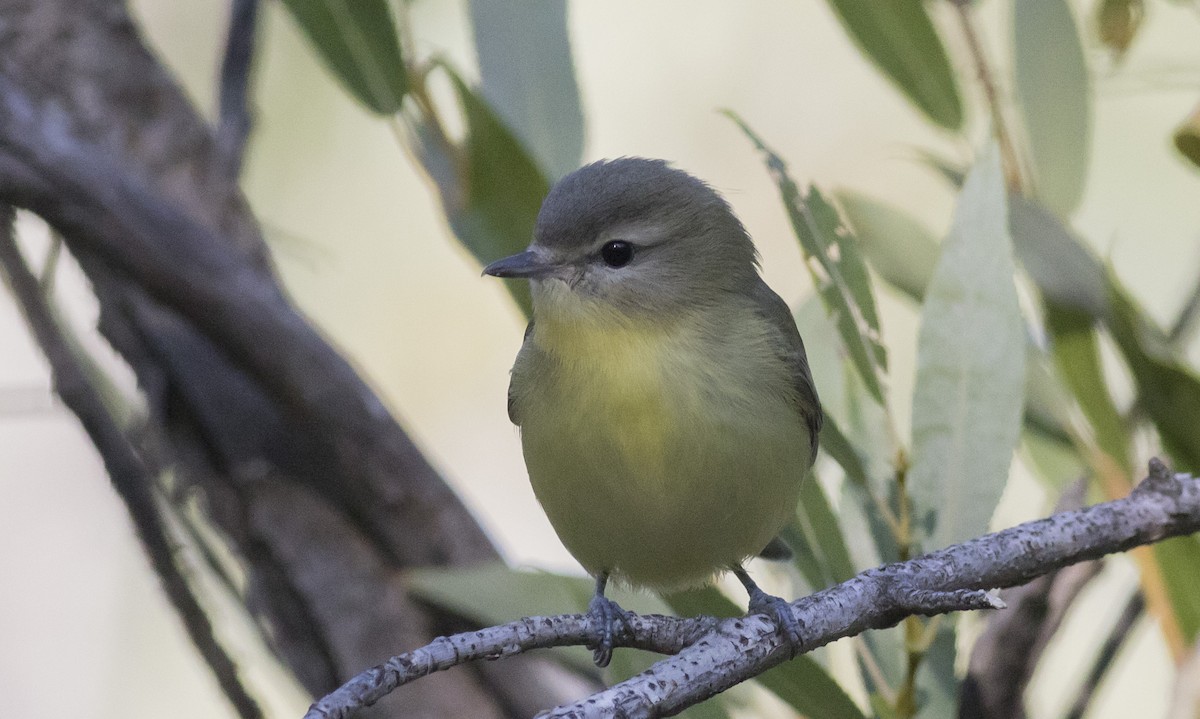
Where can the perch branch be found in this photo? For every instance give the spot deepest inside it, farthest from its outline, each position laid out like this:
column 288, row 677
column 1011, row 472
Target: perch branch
column 715, row 655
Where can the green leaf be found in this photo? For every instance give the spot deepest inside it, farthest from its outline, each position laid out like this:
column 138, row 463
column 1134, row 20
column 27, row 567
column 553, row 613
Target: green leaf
column 970, row 368
column 816, row 538
column 1054, row 94
column 937, row 687
column 809, row 689
column 826, row 358
column 1075, row 294
column 900, row 39
column 1065, row 271
column 1077, row 353
column 1117, row 23
column 1187, row 138
column 1168, row 390
column 1179, row 563
column 837, row 268
column 357, row 41
column 900, row 249
column 527, row 74
column 843, row 452
column 491, row 189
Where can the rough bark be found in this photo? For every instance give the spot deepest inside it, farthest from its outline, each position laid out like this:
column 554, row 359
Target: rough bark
column 308, row 477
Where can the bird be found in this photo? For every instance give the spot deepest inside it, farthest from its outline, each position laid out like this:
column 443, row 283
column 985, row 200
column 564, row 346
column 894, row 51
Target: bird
column 666, row 409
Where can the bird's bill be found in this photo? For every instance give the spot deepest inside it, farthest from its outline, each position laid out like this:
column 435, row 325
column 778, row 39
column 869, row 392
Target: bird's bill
column 525, row 264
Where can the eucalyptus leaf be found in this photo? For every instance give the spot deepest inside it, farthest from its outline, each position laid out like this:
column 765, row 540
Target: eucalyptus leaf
column 970, row 368
column 1168, row 390
column 837, row 268
column 528, row 76
column 937, row 687
column 1178, row 560
column 1063, row 268
column 1187, row 138
column 817, row 540
column 491, row 189
column 1117, row 23
column 356, row 39
column 901, row 249
column 1055, row 99
column 1077, row 352
column 839, row 447
column 899, row 37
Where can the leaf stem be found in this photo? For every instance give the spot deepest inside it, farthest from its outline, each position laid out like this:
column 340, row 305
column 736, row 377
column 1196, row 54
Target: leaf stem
column 1008, row 151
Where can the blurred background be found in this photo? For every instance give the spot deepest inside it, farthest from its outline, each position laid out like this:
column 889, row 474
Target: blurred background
column 362, row 242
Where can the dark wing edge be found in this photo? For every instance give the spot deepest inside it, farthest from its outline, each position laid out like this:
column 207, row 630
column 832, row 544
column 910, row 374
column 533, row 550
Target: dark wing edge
column 777, row 312
column 512, row 407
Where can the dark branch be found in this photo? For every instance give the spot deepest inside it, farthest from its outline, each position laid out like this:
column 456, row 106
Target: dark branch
column 234, row 118
column 734, row 650
column 130, row 477
column 1108, row 652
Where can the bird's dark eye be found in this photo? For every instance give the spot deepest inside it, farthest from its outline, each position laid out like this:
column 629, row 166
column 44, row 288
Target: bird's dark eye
column 617, row 253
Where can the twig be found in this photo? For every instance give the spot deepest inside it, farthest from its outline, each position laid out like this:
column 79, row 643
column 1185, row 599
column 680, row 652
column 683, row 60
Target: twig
column 129, row 475
column 234, row 121
column 734, row 650
column 1008, row 151
column 1108, row 652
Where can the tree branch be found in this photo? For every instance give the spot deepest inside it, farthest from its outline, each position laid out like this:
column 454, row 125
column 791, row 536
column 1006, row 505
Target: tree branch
column 234, row 118
column 129, row 474
column 716, row 655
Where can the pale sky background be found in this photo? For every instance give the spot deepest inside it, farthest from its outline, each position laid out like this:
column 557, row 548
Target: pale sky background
column 362, row 245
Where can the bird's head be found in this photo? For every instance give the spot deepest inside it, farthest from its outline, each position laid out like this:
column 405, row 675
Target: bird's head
column 634, row 236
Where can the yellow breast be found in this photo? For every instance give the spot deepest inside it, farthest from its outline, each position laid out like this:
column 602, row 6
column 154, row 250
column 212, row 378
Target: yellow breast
column 660, row 453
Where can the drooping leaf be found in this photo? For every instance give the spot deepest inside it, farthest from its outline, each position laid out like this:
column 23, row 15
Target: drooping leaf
column 1074, row 291
column 901, row 41
column 1077, row 353
column 1117, row 23
column 826, row 359
column 837, row 267
column 970, row 368
column 1063, row 268
column 816, row 539
column 1054, row 94
column 843, row 452
column 1179, row 563
column 1187, row 138
column 528, row 76
column 937, row 687
column 1168, row 390
column 490, row 187
column 900, row 249
column 356, row 39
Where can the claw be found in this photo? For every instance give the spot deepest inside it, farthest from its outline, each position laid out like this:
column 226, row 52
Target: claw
column 790, row 629
column 608, row 619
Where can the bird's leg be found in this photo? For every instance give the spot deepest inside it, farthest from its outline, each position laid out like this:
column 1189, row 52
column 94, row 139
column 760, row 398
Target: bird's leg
column 608, row 619
column 777, row 609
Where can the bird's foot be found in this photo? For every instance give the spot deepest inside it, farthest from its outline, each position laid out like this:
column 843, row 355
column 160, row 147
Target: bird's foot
column 790, row 628
column 780, row 611
column 607, row 620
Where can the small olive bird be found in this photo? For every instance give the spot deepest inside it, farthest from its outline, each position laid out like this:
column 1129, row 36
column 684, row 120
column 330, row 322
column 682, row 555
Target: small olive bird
column 666, row 408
